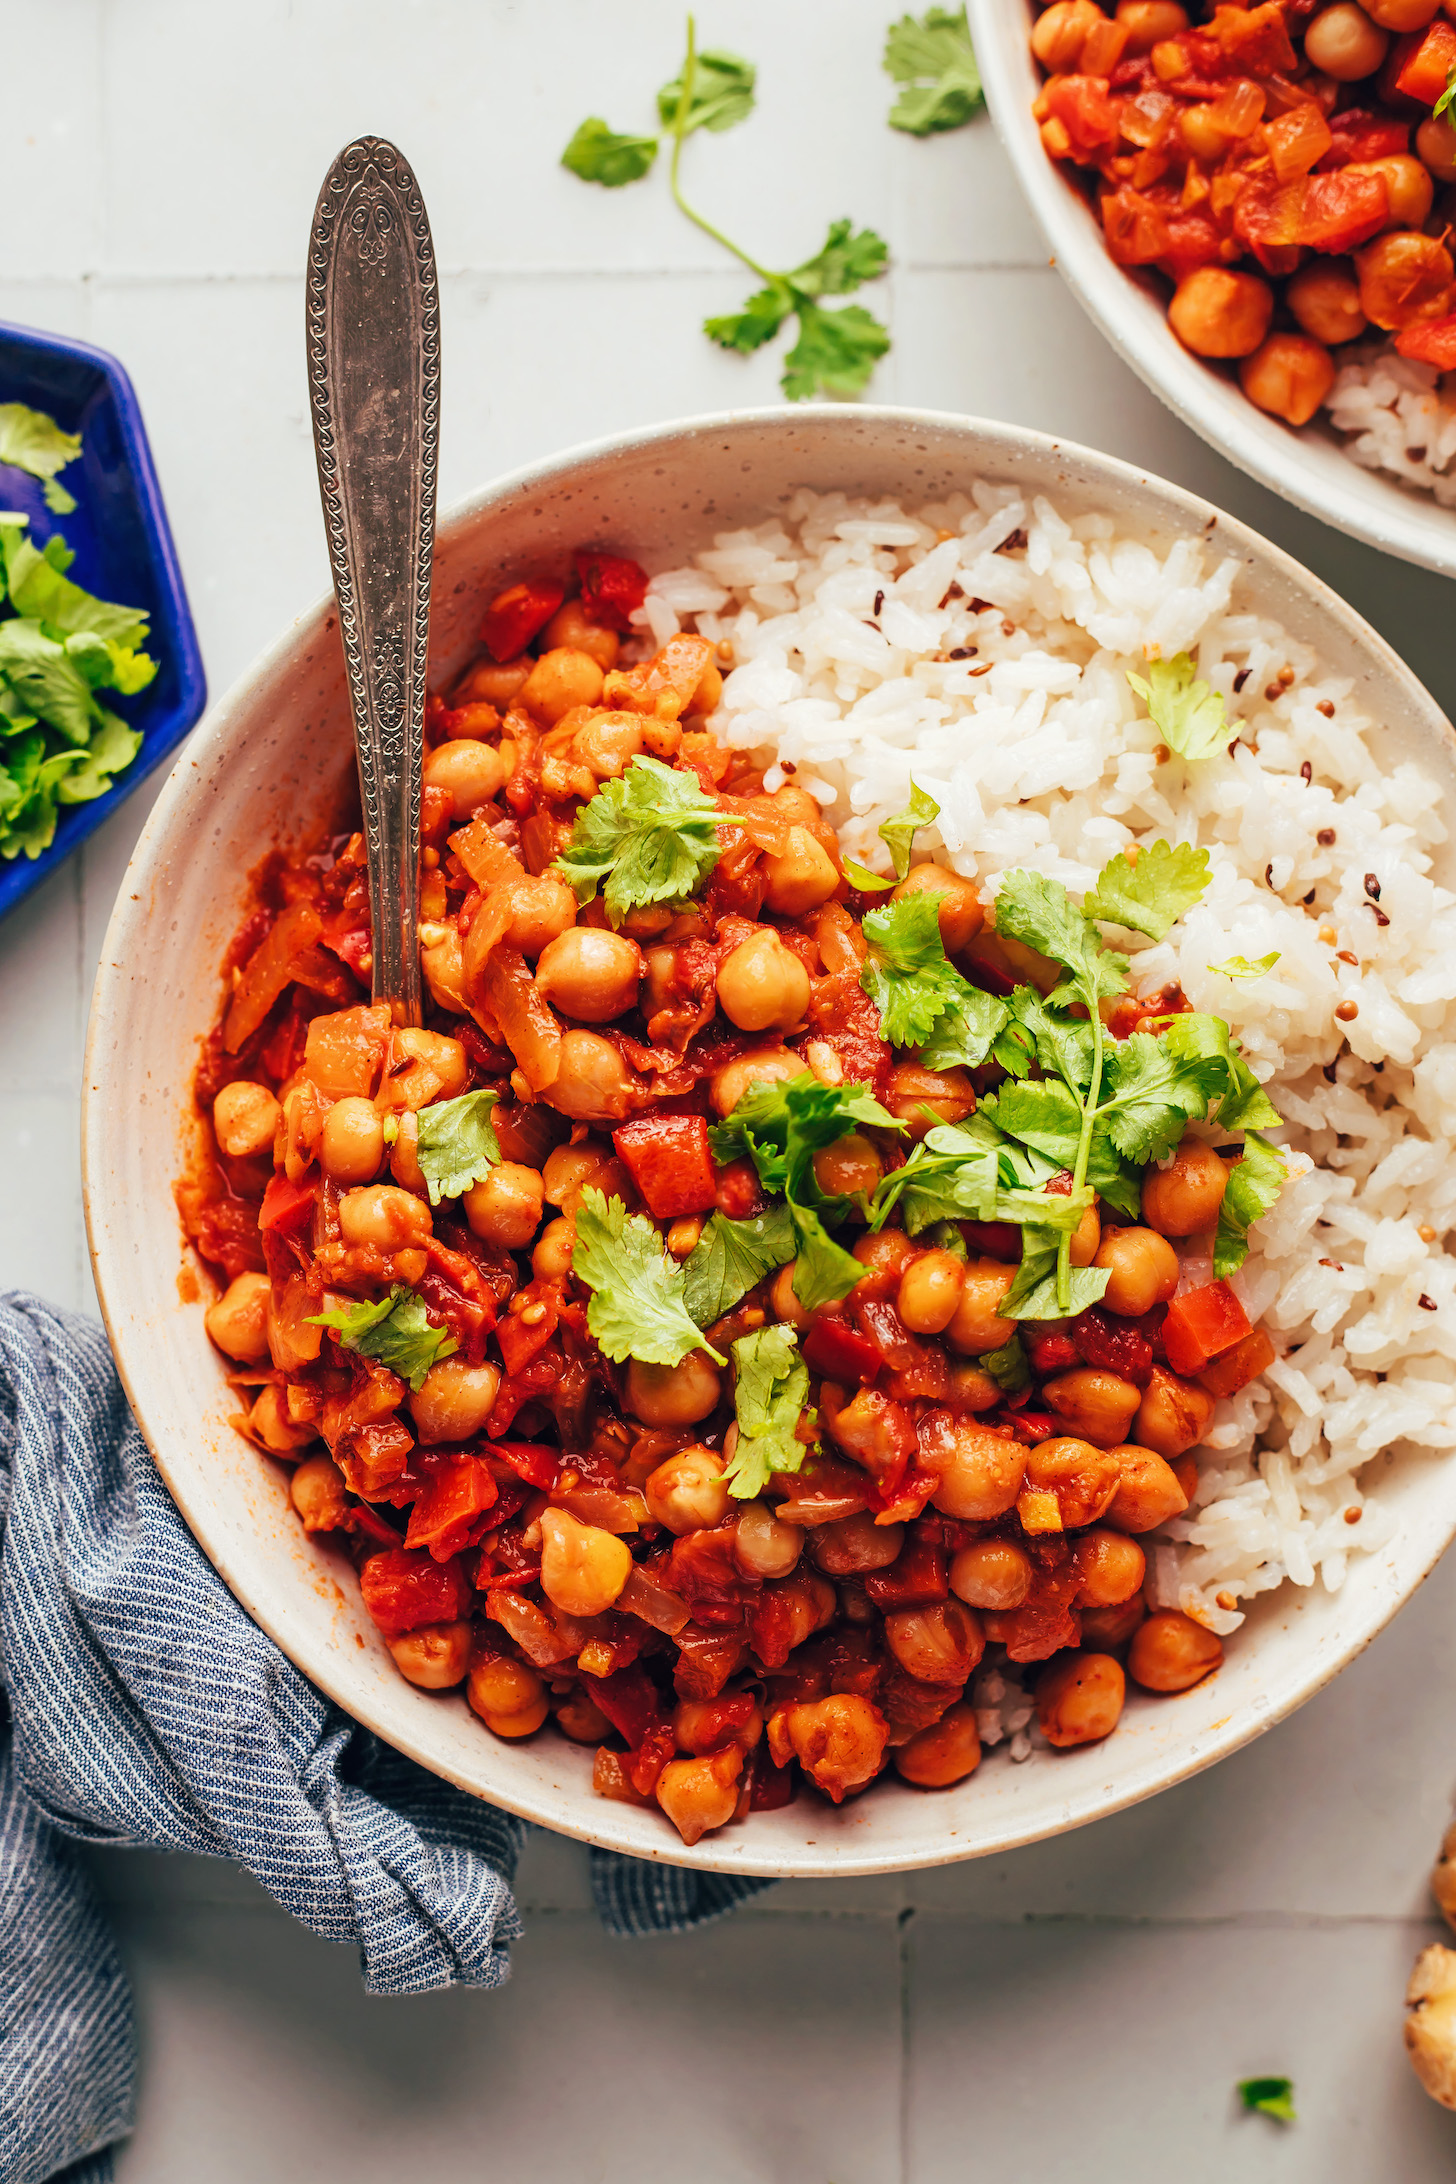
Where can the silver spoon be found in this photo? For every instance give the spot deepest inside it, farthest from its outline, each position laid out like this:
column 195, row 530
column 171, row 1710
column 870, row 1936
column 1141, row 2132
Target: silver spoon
column 374, row 383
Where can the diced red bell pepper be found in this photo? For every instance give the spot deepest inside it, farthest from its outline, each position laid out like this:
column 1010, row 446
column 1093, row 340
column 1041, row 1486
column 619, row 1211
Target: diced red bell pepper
column 1202, row 1324
column 287, row 1207
column 1340, row 211
column 1424, row 76
column 914, row 1579
column 612, row 588
column 444, row 1516
column 630, row 1702
column 516, row 615
column 404, row 1589
column 834, row 1350
column 1082, row 105
column 1430, row 341
column 1235, row 1368
column 668, row 1159
column 530, row 1460
column 773, row 1787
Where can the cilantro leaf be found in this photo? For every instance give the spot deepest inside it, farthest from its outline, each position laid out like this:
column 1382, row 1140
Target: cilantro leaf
column 598, row 154
column 1254, row 1182
column 1187, row 714
column 953, row 1174
column 33, row 442
column 457, row 1144
column 770, row 1392
column 721, row 94
column 846, row 261
column 1271, row 2096
column 781, row 1127
column 1045, row 1115
column 836, row 351
column 1193, row 1035
column 1034, row 1293
column 394, row 1332
column 1154, row 1091
column 1239, row 966
column 898, row 834
column 868, row 883
column 1041, row 915
column 1007, row 1366
column 1151, row 895
column 1062, row 1043
column 1246, row 1105
column 1447, row 100
column 637, row 1308
column 652, row 835
column 758, row 321
column 906, row 974
column 965, row 1035
column 730, row 1257
column 823, row 1271
column 1114, row 1179
column 934, row 59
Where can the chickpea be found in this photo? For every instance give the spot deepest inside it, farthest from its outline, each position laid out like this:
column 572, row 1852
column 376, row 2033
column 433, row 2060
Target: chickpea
column 1173, row 1414
column 1436, row 143
column 454, row 1400
column 1185, row 1196
column 774, row 1065
column 495, row 683
column 994, row 1574
column 384, row 1217
column 509, row 1697
column 551, row 1259
column 930, row 1292
column 1143, row 1267
column 435, row 1657
column 784, row 1304
column 317, row 1492
column 1083, row 1478
column 697, row 1726
column 673, row 1395
column 699, row 1794
column 851, row 1164
column 541, row 910
column 569, row 628
column 504, row 1207
column 1095, row 1405
column 269, row 1422
column 568, row 1169
column 238, row 1321
column 244, row 1119
column 1401, row 16
column 1149, row 23
column 977, row 1326
column 855, row 1544
column 946, row 1752
column 979, row 1473
column 1147, row 1494
column 443, row 964
column 940, row 1644
column 593, row 1083
column 762, row 1547
column 708, row 695
column 583, row 1568
column 472, row 723
column 1079, row 1699
column 762, row 985
column 962, row 913
column 948, row 1093
column 802, row 877
column 590, row 974
column 1111, row 1568
column 404, row 1156
column 441, row 1070
column 1403, row 278
column 1059, row 34
column 470, row 773
column 970, row 1389
column 1086, row 1238
column 1325, row 298
column 1343, row 42
column 1105, row 1629
column 839, row 1741
column 1170, row 1652
column 1216, row 312
column 1288, row 375
column 352, row 1146
column 581, row 1719
column 609, row 742
column 885, row 1253
column 561, row 678
column 1407, row 185
column 687, row 1493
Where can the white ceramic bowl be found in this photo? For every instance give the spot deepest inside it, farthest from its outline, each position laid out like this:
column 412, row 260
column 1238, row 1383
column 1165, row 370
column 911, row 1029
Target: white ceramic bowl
column 1309, row 466
column 273, row 754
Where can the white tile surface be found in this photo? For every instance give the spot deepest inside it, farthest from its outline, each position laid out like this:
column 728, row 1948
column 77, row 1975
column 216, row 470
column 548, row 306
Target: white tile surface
column 1083, row 2008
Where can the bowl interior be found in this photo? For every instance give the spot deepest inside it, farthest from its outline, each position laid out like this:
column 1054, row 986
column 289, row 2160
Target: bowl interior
column 1308, row 466
column 273, row 753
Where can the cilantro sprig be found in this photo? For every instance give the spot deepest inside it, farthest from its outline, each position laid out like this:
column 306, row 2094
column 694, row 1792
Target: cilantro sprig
column 730, row 1257
column 770, row 1393
column 394, row 1332
column 457, row 1145
column 898, row 833
column 651, row 835
column 1187, row 713
column 637, row 1309
column 935, row 61
column 837, row 349
column 922, row 998
column 1152, row 893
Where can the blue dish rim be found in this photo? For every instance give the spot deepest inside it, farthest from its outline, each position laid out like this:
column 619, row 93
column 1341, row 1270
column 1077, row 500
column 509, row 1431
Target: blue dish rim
column 174, row 634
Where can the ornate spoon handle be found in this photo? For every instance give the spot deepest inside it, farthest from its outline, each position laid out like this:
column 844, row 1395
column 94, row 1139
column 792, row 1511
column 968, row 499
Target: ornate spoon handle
column 374, row 381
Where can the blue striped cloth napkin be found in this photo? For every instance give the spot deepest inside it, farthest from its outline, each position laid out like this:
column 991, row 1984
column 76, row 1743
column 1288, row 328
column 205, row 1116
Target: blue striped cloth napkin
column 143, row 1708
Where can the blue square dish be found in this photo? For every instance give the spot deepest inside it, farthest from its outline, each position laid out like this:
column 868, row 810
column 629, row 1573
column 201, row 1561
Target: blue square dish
column 124, row 552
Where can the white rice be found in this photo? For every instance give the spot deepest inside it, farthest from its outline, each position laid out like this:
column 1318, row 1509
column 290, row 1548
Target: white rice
column 1039, row 755
column 1399, row 416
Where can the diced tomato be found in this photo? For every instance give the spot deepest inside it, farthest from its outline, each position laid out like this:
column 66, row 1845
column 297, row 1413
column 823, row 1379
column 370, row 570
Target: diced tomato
column 1254, row 38
column 1236, row 1367
column 1082, row 105
column 1342, row 210
column 908, row 1499
column 456, row 1495
column 1268, row 218
column 1358, row 135
column 1136, row 229
column 367, row 1522
column 1201, row 1324
column 721, row 1721
column 1050, row 1349
column 630, row 1702
column 704, row 1571
column 737, row 1193
column 521, row 1338
column 834, row 1350
column 882, row 1325
column 1297, row 140
column 1194, row 239
column 1430, row 341
column 1116, row 1345
column 651, row 1756
column 1046, row 1620
column 371, row 1457
column 288, row 1207
column 705, row 1661
column 994, row 1239
column 1424, row 76
column 773, row 1787
column 914, row 1579
column 612, row 589
column 517, row 614
column 403, row 1589
column 668, row 1159
column 537, row 1465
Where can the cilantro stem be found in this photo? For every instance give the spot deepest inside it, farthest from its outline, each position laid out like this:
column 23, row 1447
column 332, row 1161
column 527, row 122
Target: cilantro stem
column 679, row 130
column 1084, row 1156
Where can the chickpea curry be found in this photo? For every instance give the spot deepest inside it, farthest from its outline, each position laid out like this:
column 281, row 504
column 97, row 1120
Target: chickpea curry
column 1286, row 168
column 760, row 1285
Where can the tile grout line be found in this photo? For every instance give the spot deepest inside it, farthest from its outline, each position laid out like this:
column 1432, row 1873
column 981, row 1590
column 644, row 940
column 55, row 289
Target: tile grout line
column 905, row 1922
